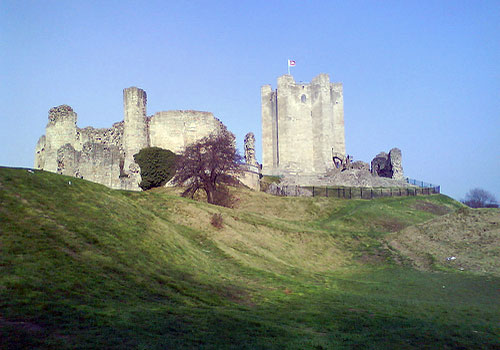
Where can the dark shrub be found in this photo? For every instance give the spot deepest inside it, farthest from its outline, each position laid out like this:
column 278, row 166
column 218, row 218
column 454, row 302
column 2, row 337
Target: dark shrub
column 217, row 221
column 157, row 166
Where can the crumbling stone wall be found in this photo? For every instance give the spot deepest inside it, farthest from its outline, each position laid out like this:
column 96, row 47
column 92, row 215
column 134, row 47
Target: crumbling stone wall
column 396, row 160
column 40, row 153
column 60, row 130
column 106, row 155
column 111, row 137
column 250, row 149
column 381, row 166
column 174, row 130
column 250, row 175
column 95, row 162
column 388, row 165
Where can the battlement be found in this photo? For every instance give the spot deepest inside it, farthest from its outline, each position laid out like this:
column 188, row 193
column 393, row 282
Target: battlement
column 285, row 80
column 288, row 80
column 321, row 79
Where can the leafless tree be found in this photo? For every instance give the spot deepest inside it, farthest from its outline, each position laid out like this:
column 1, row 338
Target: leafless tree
column 479, row 198
column 210, row 165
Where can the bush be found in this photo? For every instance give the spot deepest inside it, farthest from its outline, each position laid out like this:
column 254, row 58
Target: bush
column 479, row 198
column 217, row 221
column 157, row 166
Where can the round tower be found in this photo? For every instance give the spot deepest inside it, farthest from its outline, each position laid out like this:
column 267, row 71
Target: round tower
column 60, row 130
column 135, row 135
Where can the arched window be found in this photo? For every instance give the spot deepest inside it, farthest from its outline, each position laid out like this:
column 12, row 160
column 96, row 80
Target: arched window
column 303, row 99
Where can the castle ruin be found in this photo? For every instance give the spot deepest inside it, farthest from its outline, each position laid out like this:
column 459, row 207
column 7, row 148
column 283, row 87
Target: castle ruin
column 302, row 126
column 303, row 138
column 106, row 156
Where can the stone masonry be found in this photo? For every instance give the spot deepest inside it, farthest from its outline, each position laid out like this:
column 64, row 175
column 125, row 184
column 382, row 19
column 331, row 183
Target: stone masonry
column 302, row 126
column 251, row 169
column 388, row 165
column 105, row 156
column 250, row 149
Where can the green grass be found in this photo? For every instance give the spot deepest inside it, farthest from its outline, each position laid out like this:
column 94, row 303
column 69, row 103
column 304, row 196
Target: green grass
column 85, row 267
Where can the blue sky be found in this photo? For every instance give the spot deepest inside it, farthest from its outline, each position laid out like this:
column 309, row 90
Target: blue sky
column 423, row 76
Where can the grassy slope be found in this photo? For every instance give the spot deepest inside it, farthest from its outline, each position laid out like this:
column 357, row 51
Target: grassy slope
column 83, row 266
column 470, row 237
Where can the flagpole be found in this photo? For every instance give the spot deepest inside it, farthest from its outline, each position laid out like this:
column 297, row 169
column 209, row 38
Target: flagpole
column 288, row 63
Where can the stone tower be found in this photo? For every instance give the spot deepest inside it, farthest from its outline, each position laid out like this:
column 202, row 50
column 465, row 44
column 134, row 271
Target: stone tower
column 135, row 131
column 60, row 130
column 302, row 126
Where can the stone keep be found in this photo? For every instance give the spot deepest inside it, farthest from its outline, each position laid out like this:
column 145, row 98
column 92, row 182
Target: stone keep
column 302, row 126
column 106, row 156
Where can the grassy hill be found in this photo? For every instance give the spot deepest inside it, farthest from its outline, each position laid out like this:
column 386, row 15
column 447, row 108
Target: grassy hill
column 85, row 267
column 465, row 240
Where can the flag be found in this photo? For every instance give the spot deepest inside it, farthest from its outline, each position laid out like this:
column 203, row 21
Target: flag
column 291, row 63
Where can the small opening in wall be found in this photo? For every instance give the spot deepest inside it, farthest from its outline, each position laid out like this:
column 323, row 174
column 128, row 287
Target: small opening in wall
column 303, row 99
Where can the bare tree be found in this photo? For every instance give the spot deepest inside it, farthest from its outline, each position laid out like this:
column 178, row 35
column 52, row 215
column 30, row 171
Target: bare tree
column 479, row 198
column 210, row 165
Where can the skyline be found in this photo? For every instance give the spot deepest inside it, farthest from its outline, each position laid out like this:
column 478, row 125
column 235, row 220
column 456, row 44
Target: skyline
column 420, row 76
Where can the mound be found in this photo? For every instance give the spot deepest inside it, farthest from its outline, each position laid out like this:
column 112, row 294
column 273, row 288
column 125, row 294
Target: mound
column 468, row 240
column 83, row 266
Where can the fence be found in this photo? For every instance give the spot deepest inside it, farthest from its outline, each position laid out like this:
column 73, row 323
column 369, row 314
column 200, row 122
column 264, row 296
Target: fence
column 356, row 192
column 423, row 184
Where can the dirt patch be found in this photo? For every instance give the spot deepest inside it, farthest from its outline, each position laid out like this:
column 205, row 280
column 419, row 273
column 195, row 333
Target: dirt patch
column 374, row 258
column 21, row 325
column 432, row 208
column 466, row 240
column 392, row 225
column 237, row 296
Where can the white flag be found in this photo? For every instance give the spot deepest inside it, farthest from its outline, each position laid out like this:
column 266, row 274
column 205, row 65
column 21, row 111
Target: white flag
column 291, row 63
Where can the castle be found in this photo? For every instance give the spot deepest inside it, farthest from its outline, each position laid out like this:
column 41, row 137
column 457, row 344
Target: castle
column 303, row 140
column 106, row 156
column 302, row 126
